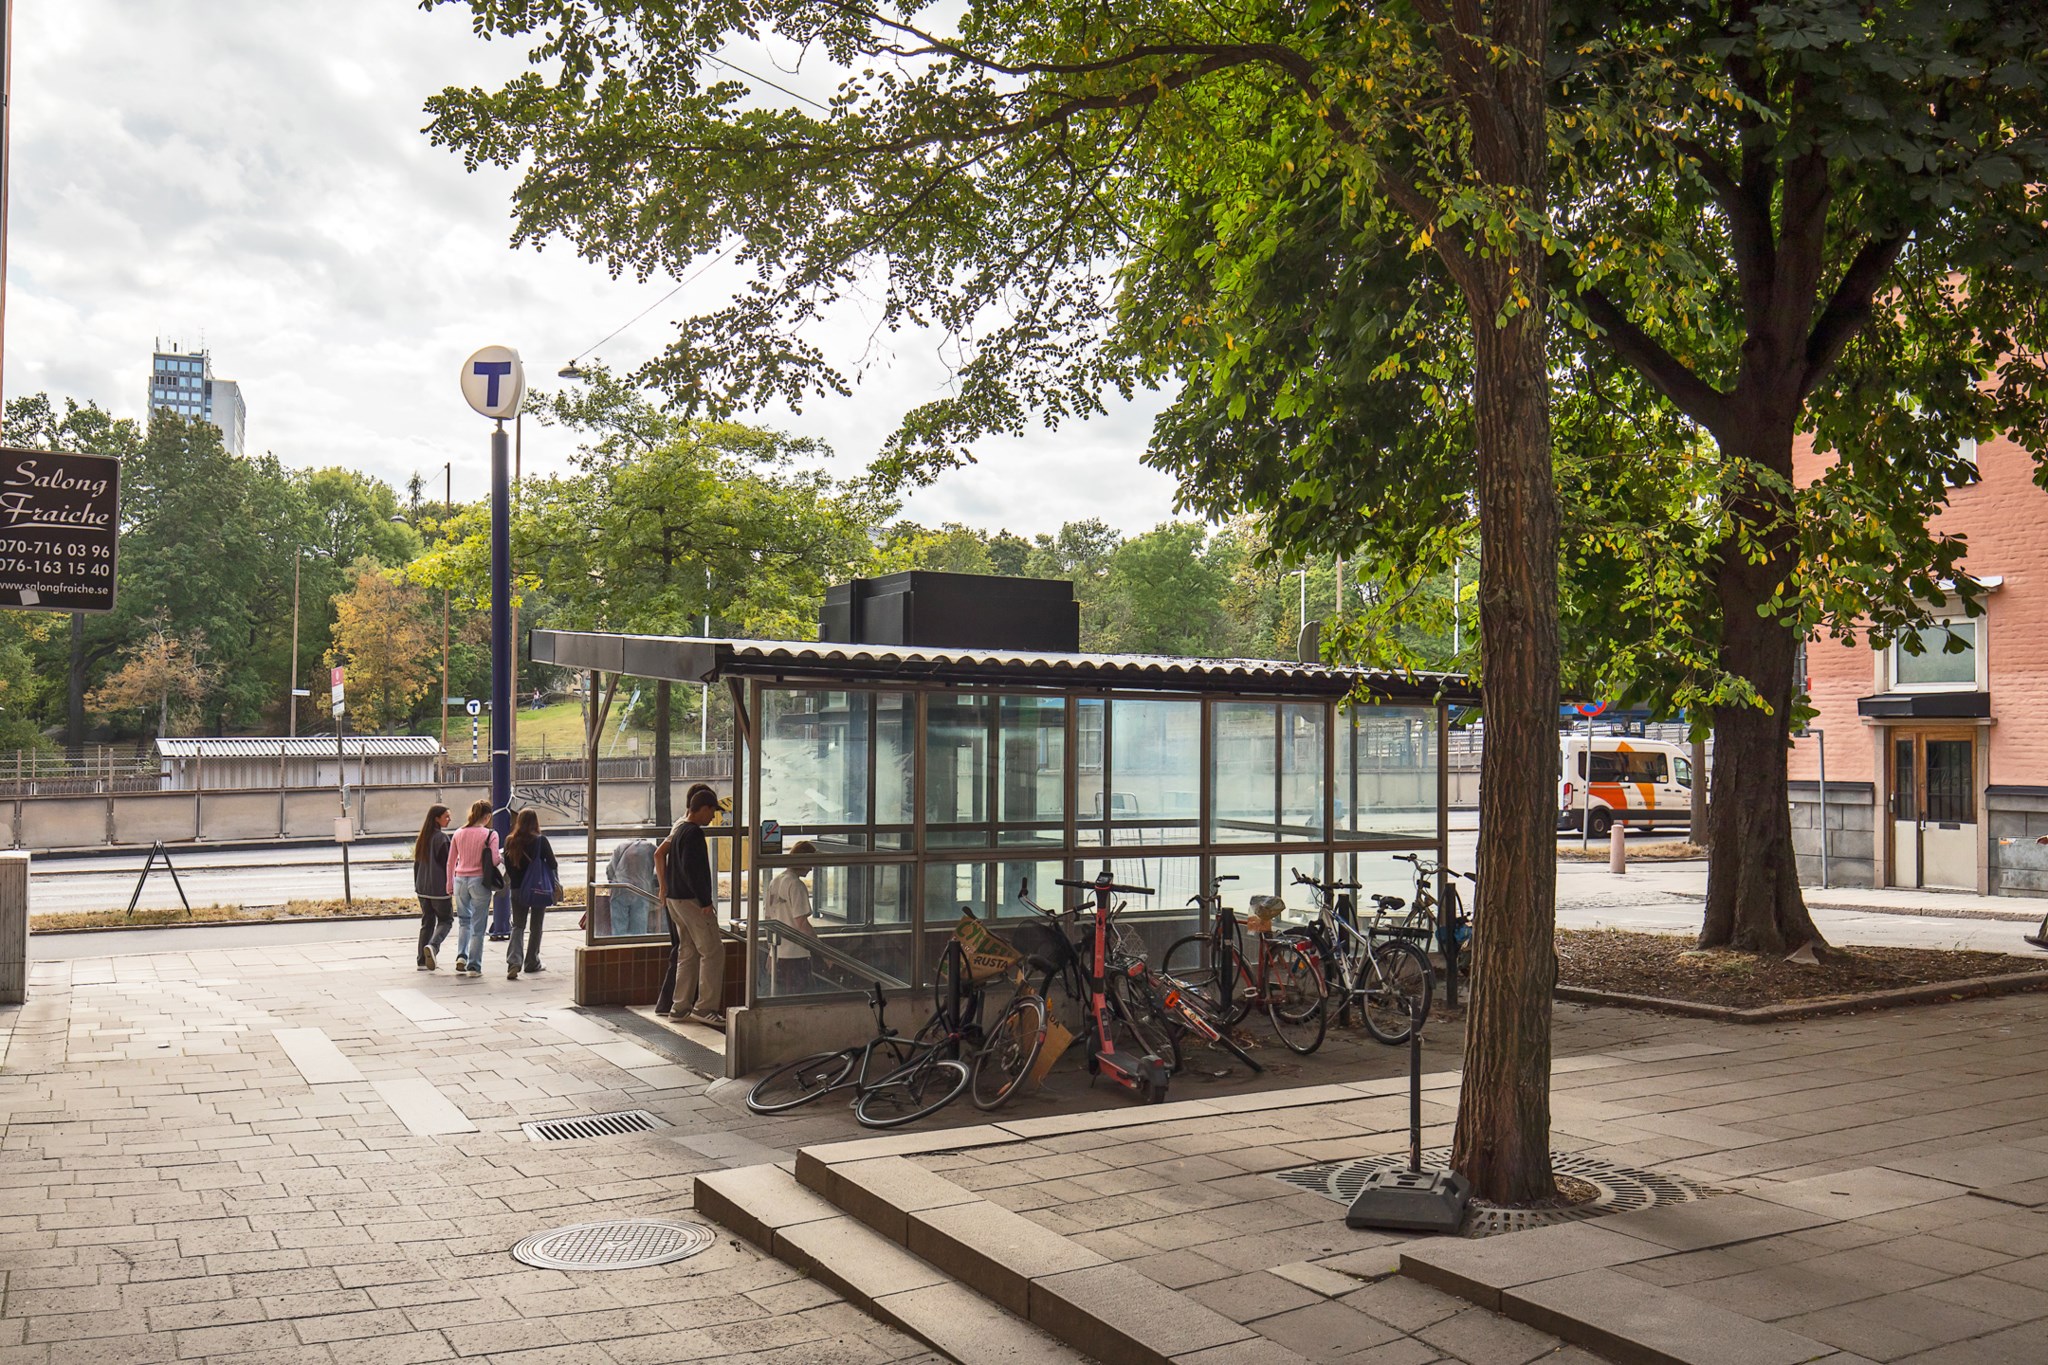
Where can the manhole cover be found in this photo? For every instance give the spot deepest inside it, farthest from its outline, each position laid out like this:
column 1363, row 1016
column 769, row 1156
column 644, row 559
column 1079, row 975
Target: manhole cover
column 625, row 1244
column 592, row 1125
column 1617, row 1189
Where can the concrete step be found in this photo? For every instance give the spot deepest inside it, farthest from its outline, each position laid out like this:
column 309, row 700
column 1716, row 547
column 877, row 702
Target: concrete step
column 765, row 1205
column 1105, row 1311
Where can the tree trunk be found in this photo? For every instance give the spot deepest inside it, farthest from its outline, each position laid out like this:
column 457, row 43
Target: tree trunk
column 1753, row 898
column 74, row 712
column 1697, row 832
column 663, row 807
column 1503, row 1134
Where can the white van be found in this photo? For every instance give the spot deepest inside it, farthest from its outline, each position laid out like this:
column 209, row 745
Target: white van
column 1639, row 782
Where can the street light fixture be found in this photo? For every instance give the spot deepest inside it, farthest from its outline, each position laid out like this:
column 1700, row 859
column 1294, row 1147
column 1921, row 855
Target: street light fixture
column 571, row 371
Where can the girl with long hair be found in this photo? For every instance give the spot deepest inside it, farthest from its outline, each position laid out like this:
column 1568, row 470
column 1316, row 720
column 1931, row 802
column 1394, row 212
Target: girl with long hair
column 430, row 884
column 527, row 850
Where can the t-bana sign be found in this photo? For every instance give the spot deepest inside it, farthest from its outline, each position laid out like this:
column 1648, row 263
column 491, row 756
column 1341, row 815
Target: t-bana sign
column 60, row 523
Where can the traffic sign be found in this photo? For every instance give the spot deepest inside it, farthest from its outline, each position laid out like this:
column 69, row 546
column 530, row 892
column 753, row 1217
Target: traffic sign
column 494, row 382
column 339, row 706
column 474, row 707
column 1591, row 709
column 60, row 517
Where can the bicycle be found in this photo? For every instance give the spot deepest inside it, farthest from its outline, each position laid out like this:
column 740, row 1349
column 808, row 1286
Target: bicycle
column 917, row 1080
column 1387, row 976
column 1285, row 979
column 1449, row 929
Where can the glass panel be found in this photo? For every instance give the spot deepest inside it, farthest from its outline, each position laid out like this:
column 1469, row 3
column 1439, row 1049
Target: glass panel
column 629, row 900
column 1301, row 772
column 1951, row 797
column 814, row 765
column 992, row 890
column 1245, row 773
column 860, row 928
column 956, row 777
column 1935, row 666
column 1151, row 923
column 1387, row 764
column 1031, row 761
column 1257, row 875
column 895, row 758
column 1682, row 770
column 1905, row 793
column 1155, row 755
column 1090, row 714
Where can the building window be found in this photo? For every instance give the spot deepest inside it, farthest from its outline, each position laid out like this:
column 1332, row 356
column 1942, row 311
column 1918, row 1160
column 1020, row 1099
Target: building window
column 1940, row 666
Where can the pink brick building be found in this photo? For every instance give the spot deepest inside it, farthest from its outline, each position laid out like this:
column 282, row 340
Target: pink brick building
column 1937, row 764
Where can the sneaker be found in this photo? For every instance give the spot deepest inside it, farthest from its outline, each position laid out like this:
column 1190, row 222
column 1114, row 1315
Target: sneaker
column 532, row 967
column 420, row 965
column 427, row 958
column 511, row 973
column 461, row 965
column 476, row 969
column 500, row 938
column 707, row 1018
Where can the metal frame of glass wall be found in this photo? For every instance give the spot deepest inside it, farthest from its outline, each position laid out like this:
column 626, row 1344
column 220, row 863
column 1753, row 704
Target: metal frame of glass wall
column 902, row 801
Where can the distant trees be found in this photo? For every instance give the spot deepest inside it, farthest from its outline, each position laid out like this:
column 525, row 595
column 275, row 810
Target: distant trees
column 382, row 636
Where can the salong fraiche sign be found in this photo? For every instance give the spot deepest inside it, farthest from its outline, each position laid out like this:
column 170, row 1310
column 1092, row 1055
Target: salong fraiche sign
column 60, row 520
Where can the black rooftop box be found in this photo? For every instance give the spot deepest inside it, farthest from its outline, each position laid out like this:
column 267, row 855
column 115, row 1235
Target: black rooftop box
column 921, row 609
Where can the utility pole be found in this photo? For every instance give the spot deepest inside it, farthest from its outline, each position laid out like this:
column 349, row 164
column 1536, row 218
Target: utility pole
column 447, row 512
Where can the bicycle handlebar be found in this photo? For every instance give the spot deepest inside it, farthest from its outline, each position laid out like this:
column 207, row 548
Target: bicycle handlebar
column 1106, row 886
column 1303, row 879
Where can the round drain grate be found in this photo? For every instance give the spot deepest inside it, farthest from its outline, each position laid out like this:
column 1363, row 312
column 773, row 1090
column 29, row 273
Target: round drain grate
column 1616, row 1189
column 625, row 1244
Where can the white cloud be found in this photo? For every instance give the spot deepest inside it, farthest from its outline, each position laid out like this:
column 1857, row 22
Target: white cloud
column 252, row 176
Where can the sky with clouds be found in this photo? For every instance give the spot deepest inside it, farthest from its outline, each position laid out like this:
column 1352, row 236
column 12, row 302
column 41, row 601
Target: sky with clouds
column 250, row 176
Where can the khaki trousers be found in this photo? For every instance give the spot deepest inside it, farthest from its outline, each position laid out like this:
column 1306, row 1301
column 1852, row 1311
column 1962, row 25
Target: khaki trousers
column 699, row 965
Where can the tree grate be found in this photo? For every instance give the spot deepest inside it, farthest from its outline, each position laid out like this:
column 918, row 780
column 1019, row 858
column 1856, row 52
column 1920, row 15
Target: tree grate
column 623, row 1244
column 592, row 1126
column 1618, row 1189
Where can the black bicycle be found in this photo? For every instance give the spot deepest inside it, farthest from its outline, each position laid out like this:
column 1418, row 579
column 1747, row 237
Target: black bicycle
column 1386, row 976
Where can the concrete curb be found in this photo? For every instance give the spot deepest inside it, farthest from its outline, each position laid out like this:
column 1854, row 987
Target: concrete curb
column 1975, row 988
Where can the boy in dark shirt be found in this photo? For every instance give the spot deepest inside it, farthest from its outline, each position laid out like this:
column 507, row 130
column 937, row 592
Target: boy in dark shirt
column 697, row 961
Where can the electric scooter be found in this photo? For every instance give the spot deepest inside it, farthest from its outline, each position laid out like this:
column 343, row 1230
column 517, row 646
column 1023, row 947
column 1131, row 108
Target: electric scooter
column 1146, row 1076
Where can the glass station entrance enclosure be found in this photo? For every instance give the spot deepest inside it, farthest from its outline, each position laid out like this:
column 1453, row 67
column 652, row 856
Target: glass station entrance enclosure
column 904, row 784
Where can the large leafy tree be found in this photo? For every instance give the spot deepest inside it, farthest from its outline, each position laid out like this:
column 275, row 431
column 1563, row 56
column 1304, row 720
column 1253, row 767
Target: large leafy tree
column 383, row 637
column 1818, row 220
column 982, row 170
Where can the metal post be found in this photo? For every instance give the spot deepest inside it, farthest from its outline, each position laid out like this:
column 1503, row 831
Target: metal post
column 1821, row 737
column 341, row 787
column 501, row 633
column 447, row 511
column 1586, row 793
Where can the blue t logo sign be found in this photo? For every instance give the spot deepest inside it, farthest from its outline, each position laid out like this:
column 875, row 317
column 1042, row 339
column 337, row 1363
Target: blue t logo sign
column 492, row 371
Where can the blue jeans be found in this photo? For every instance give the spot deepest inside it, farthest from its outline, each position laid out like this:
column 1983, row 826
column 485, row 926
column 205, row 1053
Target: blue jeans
column 473, row 913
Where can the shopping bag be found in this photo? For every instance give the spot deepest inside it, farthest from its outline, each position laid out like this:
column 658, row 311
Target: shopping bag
column 1058, row 1038
column 988, row 957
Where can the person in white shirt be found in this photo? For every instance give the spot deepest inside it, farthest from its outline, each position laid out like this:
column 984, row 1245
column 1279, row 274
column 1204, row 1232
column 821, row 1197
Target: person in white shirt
column 788, row 902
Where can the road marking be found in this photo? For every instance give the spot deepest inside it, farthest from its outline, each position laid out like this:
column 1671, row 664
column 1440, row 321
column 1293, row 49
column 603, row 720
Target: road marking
column 316, row 1056
column 421, row 1107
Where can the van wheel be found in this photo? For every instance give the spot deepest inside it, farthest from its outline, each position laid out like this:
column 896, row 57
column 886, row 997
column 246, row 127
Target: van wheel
column 1649, row 829
column 1598, row 823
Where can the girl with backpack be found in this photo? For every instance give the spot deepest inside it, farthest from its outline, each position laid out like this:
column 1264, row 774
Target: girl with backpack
column 535, row 879
column 430, row 884
column 473, row 863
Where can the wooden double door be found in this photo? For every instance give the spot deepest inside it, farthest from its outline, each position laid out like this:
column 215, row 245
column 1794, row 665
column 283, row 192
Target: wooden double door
column 1934, row 830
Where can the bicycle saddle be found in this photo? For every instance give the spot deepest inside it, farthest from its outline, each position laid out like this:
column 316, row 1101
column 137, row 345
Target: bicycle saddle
column 1387, row 903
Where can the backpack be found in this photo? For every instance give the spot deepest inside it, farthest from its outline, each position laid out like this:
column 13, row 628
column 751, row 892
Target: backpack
column 538, row 884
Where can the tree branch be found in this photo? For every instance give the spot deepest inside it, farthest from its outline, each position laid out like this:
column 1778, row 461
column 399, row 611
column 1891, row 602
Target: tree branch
column 1695, row 397
column 1848, row 308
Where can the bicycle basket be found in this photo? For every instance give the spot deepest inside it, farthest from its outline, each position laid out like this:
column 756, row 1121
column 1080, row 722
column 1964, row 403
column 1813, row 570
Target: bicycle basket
column 988, row 957
column 1044, row 947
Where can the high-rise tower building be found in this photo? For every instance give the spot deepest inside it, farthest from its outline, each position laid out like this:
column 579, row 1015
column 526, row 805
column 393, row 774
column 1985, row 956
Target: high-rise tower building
column 183, row 382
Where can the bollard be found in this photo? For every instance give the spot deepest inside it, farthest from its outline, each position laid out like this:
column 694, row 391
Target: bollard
column 13, row 928
column 1617, row 849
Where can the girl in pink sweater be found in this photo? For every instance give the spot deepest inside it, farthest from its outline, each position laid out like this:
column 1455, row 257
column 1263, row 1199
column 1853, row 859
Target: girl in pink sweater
column 473, row 843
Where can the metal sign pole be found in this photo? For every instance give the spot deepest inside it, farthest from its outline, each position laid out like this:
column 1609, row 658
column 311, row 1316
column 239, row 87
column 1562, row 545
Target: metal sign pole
column 1821, row 737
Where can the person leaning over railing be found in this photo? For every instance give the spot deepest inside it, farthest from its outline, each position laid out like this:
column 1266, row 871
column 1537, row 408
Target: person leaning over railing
column 787, row 902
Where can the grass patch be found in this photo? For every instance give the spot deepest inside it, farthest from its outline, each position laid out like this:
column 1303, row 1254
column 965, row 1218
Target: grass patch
column 237, row 914
column 1637, row 853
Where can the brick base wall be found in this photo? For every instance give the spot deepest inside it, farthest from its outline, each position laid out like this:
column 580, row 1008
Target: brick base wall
column 630, row 973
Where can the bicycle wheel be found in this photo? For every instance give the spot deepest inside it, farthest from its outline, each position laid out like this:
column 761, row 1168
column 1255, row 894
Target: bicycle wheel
column 1210, row 969
column 801, row 1081
column 1009, row 1052
column 1295, row 997
column 1396, row 982
column 925, row 1086
column 1141, row 1023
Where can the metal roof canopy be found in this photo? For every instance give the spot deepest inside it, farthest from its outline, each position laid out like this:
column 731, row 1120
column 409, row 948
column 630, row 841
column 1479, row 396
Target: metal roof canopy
column 700, row 660
column 301, row 746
